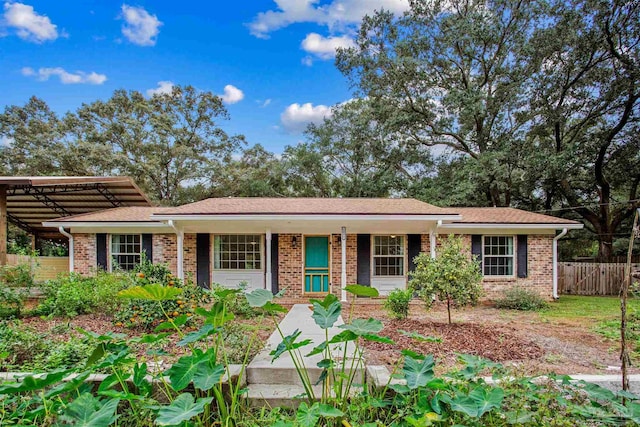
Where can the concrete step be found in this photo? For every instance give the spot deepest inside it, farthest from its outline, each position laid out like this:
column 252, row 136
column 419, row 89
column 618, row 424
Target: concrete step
column 264, row 373
column 283, row 395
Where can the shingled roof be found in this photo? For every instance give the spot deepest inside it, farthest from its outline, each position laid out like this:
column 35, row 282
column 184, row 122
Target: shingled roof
column 506, row 216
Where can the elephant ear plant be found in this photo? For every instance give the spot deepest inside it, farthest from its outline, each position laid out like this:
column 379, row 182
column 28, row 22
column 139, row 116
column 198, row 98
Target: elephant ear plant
column 342, row 362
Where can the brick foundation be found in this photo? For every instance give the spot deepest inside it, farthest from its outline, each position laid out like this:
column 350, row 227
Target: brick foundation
column 189, row 261
column 165, row 250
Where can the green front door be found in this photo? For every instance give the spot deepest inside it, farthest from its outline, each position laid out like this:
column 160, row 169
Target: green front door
column 316, row 264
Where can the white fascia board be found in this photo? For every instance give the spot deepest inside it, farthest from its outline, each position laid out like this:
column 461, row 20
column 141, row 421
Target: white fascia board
column 100, row 224
column 502, row 226
column 271, row 217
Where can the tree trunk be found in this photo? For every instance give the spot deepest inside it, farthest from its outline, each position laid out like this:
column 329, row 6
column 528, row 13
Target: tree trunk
column 605, row 245
column 449, row 308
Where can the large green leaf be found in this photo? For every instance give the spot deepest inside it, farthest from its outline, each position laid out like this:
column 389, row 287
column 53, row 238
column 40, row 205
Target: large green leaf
column 88, row 411
column 182, row 372
column 208, row 374
column 417, row 372
column 259, row 297
column 327, row 311
column 173, row 324
column 329, row 411
column 363, row 326
column 486, row 400
column 182, row 409
column 307, row 416
column 362, row 291
column 204, row 331
column 152, row 292
column 218, row 315
column 343, row 336
column 289, row 343
column 31, row 383
column 463, row 404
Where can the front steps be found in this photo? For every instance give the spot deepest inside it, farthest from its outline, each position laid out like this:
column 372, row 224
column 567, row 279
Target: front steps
column 277, row 383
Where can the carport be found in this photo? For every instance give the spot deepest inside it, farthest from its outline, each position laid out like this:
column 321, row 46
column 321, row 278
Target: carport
column 28, row 201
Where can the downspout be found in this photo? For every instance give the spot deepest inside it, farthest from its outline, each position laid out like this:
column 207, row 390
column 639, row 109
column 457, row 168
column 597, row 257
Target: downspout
column 180, row 237
column 70, row 237
column 433, row 236
column 555, row 262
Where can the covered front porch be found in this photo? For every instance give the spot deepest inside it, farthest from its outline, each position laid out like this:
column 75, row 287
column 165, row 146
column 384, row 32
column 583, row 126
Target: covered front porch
column 305, row 256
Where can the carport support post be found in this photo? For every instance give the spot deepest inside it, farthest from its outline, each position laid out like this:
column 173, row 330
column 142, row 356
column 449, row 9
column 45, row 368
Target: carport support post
column 3, row 225
column 343, row 266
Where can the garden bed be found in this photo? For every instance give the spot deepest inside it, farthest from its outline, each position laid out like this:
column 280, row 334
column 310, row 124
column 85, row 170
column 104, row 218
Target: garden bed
column 562, row 339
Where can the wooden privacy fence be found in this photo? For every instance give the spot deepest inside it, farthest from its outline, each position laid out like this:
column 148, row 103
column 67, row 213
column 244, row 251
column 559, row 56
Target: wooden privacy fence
column 43, row 267
column 591, row 278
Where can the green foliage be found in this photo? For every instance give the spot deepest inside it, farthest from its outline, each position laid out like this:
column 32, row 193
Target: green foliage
column 31, row 350
column 397, row 303
column 520, row 298
column 155, row 295
column 73, row 294
column 452, row 276
column 16, row 276
column 11, row 301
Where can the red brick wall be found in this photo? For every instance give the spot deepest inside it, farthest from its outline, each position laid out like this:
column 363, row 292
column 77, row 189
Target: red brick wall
column 189, row 264
column 165, row 250
column 539, row 268
column 290, row 268
column 84, row 253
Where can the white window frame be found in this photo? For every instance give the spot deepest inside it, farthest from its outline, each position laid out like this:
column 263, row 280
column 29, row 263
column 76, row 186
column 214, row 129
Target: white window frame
column 403, row 245
column 512, row 256
column 261, row 252
column 112, row 255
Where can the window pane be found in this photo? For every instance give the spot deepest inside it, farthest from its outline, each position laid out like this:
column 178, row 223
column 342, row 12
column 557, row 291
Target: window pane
column 388, row 255
column 498, row 256
column 238, row 252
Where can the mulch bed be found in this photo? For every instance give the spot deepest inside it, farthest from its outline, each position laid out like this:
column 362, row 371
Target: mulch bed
column 499, row 344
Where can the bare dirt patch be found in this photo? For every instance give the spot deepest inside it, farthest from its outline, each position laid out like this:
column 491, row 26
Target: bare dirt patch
column 527, row 341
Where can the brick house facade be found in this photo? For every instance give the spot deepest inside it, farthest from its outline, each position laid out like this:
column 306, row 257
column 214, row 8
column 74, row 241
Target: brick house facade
column 261, row 242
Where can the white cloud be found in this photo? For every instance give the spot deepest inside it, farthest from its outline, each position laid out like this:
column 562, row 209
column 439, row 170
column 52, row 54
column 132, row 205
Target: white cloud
column 28, row 24
column 140, row 27
column 164, row 88
column 6, row 141
column 296, row 117
column 264, row 103
column 232, row 95
column 307, row 60
column 65, row 77
column 336, row 14
column 325, row 47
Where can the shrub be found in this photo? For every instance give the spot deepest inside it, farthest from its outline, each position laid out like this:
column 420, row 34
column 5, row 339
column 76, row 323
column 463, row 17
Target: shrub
column 237, row 303
column 519, row 298
column 397, row 303
column 16, row 276
column 72, row 294
column 11, row 302
column 147, row 314
column 29, row 350
column 451, row 276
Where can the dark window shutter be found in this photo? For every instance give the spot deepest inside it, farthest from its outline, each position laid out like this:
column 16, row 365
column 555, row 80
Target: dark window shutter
column 414, row 244
column 522, row 255
column 203, row 260
column 147, row 246
column 274, row 264
column 364, row 259
column 476, row 247
column 101, row 251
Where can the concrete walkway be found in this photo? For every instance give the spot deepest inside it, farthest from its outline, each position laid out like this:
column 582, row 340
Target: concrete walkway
column 277, row 382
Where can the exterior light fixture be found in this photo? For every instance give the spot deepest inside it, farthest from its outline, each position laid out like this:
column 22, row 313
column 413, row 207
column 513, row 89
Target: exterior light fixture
column 294, row 242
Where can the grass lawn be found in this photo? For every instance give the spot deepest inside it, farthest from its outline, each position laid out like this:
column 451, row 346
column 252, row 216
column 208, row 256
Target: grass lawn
column 591, row 308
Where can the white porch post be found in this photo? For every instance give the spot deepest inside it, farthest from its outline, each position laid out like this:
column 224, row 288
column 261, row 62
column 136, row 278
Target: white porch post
column 433, row 239
column 343, row 267
column 268, row 276
column 180, row 239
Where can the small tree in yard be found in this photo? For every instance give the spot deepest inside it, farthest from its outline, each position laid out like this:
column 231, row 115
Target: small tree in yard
column 452, row 276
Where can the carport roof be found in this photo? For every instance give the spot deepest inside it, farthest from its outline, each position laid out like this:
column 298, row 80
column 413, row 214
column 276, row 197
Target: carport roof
column 32, row 200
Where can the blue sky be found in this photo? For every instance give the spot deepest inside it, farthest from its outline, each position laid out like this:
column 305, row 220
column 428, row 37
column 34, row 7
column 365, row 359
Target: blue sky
column 272, row 60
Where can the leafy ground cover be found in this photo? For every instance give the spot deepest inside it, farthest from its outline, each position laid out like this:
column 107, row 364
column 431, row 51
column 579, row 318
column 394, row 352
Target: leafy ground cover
column 573, row 335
